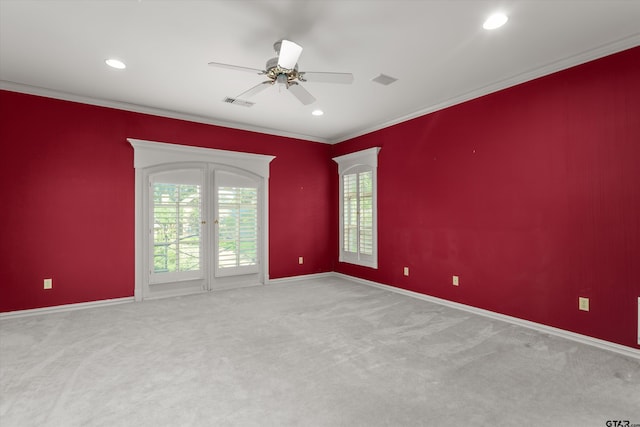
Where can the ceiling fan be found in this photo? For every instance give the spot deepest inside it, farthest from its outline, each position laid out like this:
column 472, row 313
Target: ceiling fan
column 283, row 70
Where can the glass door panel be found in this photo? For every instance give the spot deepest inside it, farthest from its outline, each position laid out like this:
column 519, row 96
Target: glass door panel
column 176, row 219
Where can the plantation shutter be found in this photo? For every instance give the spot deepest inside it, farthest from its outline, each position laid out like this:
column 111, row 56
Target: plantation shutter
column 237, row 224
column 358, row 213
column 350, row 214
column 365, row 212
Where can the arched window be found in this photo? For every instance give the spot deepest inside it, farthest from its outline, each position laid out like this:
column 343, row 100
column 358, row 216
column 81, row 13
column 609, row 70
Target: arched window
column 358, row 207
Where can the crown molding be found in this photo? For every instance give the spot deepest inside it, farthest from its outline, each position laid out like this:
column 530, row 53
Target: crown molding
column 118, row 105
column 554, row 67
column 560, row 65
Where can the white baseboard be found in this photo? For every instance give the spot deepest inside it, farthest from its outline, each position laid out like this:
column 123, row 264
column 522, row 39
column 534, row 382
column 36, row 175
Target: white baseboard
column 298, row 278
column 107, row 302
column 583, row 339
column 64, row 307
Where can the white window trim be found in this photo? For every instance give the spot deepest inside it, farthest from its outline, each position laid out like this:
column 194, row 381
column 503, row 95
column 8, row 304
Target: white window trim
column 365, row 158
column 148, row 154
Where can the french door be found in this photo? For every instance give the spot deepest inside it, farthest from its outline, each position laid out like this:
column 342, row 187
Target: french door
column 204, row 228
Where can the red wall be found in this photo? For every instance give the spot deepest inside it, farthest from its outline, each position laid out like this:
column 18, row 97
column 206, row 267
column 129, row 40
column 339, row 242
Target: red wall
column 531, row 195
column 68, row 198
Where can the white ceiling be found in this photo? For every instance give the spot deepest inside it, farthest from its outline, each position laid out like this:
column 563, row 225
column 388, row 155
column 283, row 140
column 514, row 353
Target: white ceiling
column 437, row 50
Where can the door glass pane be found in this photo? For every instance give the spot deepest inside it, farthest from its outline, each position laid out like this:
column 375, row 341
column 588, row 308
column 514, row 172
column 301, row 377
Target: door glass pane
column 237, row 227
column 176, row 210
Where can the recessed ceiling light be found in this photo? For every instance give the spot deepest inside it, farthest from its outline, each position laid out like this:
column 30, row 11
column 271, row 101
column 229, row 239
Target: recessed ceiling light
column 317, row 112
column 496, row 20
column 115, row 63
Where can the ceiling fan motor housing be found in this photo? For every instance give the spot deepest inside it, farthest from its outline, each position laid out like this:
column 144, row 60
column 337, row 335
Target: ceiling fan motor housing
column 273, row 70
column 276, row 46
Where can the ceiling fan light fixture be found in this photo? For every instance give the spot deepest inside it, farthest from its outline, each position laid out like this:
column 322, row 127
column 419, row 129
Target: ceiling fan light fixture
column 282, row 79
column 494, row 21
column 289, row 54
column 115, row 63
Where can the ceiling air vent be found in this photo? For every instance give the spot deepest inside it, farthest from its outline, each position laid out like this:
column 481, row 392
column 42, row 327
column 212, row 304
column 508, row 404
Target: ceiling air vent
column 383, row 79
column 241, row 102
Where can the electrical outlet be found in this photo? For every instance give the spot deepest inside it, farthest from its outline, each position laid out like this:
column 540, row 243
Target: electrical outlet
column 456, row 281
column 300, row 260
column 48, row 283
column 406, row 271
column 583, row 303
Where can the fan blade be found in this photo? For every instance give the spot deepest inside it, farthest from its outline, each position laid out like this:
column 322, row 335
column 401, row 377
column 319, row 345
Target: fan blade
column 237, row 67
column 255, row 90
column 289, row 54
column 319, row 77
column 301, row 93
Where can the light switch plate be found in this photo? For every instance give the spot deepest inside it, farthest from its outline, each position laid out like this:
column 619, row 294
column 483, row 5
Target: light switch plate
column 456, row 281
column 48, row 283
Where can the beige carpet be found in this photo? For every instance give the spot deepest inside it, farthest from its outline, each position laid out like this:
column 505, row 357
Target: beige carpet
column 322, row 352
